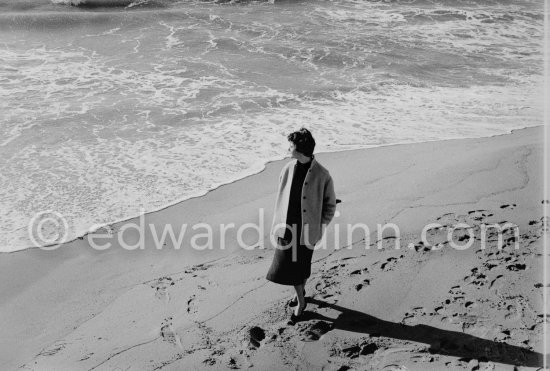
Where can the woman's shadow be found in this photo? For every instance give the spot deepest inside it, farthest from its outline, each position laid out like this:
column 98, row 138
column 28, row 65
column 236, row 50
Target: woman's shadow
column 443, row 342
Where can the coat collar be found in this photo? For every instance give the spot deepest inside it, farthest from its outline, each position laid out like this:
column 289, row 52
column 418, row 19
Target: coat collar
column 291, row 169
column 313, row 161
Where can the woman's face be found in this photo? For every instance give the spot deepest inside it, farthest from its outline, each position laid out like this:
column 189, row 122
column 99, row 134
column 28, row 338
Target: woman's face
column 292, row 150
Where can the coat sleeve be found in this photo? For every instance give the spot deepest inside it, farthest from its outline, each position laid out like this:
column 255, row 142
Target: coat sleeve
column 277, row 214
column 329, row 202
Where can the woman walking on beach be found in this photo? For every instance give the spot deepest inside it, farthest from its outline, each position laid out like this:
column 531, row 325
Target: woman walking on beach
column 305, row 206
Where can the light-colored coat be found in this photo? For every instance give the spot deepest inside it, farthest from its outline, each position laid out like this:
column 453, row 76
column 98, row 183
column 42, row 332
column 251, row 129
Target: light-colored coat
column 318, row 202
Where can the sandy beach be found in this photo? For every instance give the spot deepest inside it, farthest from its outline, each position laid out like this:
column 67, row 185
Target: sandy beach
column 370, row 305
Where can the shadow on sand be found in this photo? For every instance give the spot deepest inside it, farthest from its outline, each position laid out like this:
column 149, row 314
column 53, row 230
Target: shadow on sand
column 451, row 343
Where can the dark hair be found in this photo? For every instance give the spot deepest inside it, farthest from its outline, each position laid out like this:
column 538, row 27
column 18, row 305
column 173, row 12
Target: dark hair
column 303, row 140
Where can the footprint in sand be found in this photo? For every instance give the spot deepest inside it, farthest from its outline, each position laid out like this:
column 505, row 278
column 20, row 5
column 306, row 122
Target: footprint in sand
column 456, row 290
column 326, row 287
column 52, row 350
column 439, row 310
column 320, row 286
column 540, row 225
column 358, row 272
column 161, row 288
column 516, row 267
column 85, row 357
column 316, row 331
column 470, row 304
column 326, row 282
column 419, row 246
column 508, row 206
column 507, row 234
column 411, row 317
column 491, row 264
column 330, row 298
column 348, row 258
column 365, row 282
column 512, row 312
column 168, row 334
column 388, row 242
column 494, row 281
column 435, row 236
column 357, row 350
column 479, row 215
column 389, row 263
column 198, row 267
column 360, row 286
column 255, row 336
column 191, row 307
column 236, row 361
column 336, row 267
column 476, row 278
column 462, row 235
column 449, row 218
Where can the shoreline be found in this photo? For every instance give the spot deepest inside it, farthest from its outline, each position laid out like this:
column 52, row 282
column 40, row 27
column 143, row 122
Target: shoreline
column 79, row 308
column 261, row 167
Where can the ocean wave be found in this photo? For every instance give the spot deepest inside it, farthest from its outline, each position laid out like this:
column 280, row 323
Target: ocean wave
column 22, row 5
column 96, row 3
column 52, row 20
column 92, row 4
column 109, row 173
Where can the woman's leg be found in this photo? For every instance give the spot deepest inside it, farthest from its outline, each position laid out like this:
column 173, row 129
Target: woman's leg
column 301, row 299
column 294, row 301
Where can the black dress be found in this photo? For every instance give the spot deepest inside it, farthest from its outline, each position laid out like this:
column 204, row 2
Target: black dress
column 292, row 262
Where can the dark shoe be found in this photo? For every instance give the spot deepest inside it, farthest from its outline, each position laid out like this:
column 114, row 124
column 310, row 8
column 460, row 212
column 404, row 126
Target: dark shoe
column 293, row 320
column 294, row 301
column 297, row 318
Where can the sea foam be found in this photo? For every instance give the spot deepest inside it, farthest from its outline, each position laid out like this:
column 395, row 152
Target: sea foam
column 111, row 112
